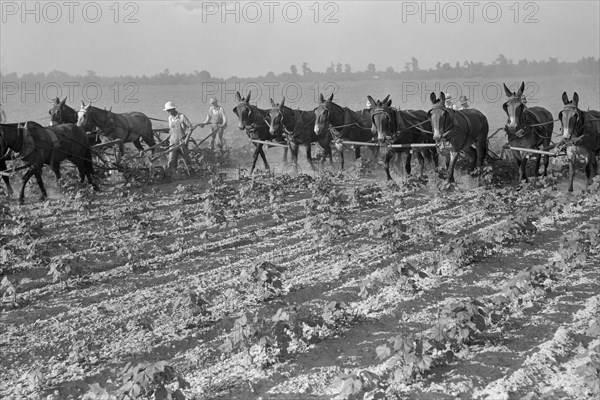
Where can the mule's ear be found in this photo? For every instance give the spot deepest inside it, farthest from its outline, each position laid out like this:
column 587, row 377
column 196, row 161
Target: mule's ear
column 330, row 99
column 565, row 98
column 235, row 111
column 248, row 97
column 575, row 99
column 521, row 89
column 507, row 90
column 282, row 102
column 386, row 99
column 443, row 97
column 373, row 102
column 388, row 103
column 273, row 104
column 432, row 97
column 82, row 104
column 321, row 98
column 63, row 101
column 238, row 97
column 57, row 101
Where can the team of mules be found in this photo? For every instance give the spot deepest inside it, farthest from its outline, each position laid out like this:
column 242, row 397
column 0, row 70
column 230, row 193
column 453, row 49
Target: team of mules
column 38, row 145
column 440, row 130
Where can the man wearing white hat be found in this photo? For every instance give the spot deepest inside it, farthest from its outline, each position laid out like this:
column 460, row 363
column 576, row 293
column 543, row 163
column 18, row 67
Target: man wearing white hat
column 180, row 130
column 217, row 118
column 449, row 101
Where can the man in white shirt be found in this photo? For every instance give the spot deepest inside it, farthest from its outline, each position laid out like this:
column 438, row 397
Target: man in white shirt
column 180, row 129
column 218, row 120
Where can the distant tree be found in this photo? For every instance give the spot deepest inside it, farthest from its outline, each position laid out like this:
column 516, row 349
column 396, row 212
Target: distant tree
column 415, row 64
column 305, row 69
column 338, row 68
column 347, row 69
column 371, row 69
column 294, row 70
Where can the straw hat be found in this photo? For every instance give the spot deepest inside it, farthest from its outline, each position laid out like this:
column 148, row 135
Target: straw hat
column 169, row 105
column 463, row 99
column 213, row 100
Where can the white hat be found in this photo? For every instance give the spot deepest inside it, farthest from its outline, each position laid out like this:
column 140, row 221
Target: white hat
column 213, row 100
column 449, row 97
column 368, row 105
column 169, row 105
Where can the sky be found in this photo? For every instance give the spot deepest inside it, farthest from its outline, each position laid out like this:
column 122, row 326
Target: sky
column 247, row 39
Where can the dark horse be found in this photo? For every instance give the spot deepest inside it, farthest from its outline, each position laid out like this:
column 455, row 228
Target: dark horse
column 527, row 127
column 297, row 127
column 255, row 121
column 129, row 127
column 38, row 145
column 61, row 113
column 394, row 126
column 343, row 124
column 460, row 129
column 581, row 134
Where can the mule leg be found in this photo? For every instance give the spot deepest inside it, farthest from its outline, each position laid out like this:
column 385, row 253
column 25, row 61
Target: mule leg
column 453, row 159
column 264, row 157
column 309, row 156
column 571, row 171
column 407, row 163
column 56, row 169
column 255, row 156
column 522, row 165
column 9, row 189
column 386, row 164
column 38, row 178
column 138, row 145
column 24, row 181
column 421, row 162
column 341, row 151
column 285, row 155
column 356, row 152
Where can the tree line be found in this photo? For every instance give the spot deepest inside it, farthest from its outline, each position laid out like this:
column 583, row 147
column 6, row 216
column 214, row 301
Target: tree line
column 502, row 67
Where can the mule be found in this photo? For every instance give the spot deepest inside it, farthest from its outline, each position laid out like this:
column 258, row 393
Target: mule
column 527, row 127
column 129, row 127
column 393, row 126
column 297, row 127
column 61, row 113
column 581, row 134
column 342, row 124
column 38, row 145
column 255, row 122
column 460, row 130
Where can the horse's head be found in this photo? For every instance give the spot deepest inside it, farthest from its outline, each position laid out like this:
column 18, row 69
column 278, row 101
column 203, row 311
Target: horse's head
column 382, row 118
column 243, row 110
column 323, row 114
column 280, row 119
column 60, row 113
column 514, row 108
column 439, row 116
column 571, row 117
column 84, row 115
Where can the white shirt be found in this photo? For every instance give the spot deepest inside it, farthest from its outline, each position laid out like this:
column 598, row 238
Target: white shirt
column 178, row 126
